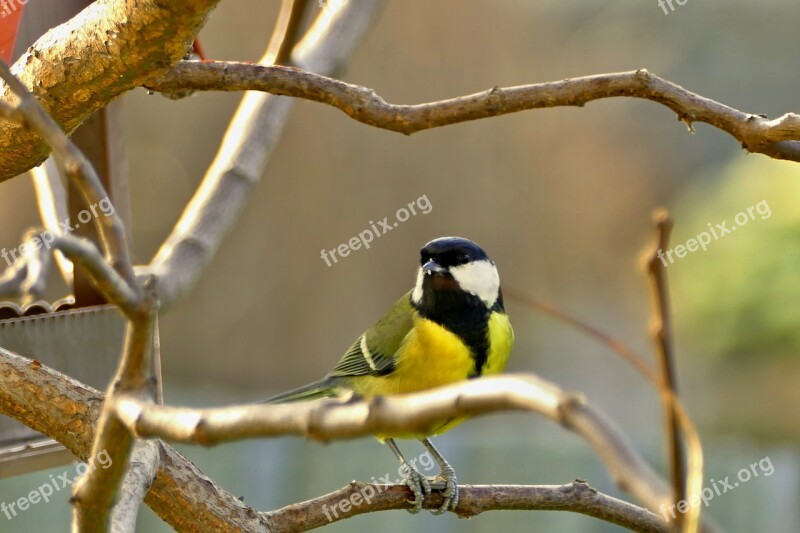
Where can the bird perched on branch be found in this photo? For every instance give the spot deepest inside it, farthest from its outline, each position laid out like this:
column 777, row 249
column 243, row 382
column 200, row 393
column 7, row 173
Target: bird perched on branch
column 450, row 327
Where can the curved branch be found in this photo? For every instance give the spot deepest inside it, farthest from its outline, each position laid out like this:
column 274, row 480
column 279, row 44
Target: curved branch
column 360, row 498
column 778, row 138
column 66, row 410
column 107, row 280
column 78, row 67
column 413, row 413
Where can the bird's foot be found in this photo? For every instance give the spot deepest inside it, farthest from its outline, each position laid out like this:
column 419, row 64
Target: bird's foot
column 450, row 493
column 418, row 484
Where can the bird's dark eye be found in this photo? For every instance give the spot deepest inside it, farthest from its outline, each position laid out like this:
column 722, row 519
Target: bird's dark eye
column 462, row 258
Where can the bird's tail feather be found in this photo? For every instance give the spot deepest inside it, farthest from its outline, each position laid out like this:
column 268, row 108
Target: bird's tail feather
column 323, row 388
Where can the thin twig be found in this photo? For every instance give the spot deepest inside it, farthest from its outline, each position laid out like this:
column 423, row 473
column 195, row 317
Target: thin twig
column 51, row 197
column 661, row 332
column 360, row 498
column 287, row 32
column 778, row 138
column 615, row 345
column 27, row 275
column 695, row 451
column 107, row 280
column 95, row 494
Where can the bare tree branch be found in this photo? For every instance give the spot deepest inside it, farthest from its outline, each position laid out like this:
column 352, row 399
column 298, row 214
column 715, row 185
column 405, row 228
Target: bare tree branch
column 361, row 498
column 693, row 481
column 138, row 479
column 13, row 279
column 615, row 345
column 77, row 168
column 67, row 411
column 95, row 494
column 686, row 481
column 415, row 413
column 662, row 340
column 128, row 411
column 27, row 276
column 51, row 197
column 246, row 149
column 778, row 138
column 78, row 67
column 106, row 279
column 287, row 32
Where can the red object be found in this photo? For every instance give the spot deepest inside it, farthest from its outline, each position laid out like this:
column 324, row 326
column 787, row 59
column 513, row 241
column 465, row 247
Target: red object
column 197, row 48
column 10, row 17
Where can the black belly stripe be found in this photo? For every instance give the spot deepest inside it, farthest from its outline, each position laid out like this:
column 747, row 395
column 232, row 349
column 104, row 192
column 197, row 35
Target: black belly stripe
column 466, row 316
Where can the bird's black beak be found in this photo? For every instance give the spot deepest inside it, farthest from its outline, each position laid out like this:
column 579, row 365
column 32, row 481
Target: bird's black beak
column 432, row 267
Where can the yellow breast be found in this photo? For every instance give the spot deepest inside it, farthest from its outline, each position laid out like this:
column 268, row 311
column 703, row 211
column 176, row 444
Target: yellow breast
column 431, row 356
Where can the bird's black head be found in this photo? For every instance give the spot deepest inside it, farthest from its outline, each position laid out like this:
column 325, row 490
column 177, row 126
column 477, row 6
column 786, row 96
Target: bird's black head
column 454, row 269
column 449, row 252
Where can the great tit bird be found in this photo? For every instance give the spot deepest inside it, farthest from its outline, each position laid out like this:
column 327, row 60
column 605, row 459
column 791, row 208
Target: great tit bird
column 450, row 327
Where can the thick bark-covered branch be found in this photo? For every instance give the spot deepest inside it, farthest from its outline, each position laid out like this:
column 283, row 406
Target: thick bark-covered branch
column 96, row 492
column 75, row 69
column 78, row 169
column 360, row 498
column 66, row 410
column 778, row 138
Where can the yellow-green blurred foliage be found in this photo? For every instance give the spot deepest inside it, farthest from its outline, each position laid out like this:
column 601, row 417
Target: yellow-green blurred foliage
column 741, row 297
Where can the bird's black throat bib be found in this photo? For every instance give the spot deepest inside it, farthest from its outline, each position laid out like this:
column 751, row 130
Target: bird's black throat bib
column 461, row 313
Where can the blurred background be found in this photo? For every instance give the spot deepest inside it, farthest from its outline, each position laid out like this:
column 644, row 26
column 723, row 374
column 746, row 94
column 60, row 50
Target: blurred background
column 560, row 198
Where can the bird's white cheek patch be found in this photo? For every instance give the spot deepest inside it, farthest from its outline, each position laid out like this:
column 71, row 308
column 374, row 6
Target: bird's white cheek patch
column 479, row 278
column 416, row 296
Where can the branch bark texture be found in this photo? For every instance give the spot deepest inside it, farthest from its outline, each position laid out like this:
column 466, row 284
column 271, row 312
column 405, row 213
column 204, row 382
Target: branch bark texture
column 576, row 497
column 76, row 68
column 778, row 138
